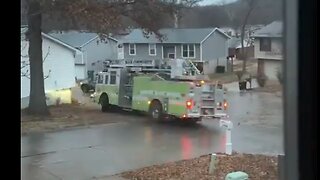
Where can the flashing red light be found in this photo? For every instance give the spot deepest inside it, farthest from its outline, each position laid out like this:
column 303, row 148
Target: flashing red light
column 225, row 105
column 189, row 104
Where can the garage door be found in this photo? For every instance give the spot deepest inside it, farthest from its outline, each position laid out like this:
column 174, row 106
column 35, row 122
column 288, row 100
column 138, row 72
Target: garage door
column 271, row 68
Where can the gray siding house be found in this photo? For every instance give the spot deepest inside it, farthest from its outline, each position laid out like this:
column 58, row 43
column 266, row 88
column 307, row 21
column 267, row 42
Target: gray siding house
column 207, row 45
column 269, row 50
column 93, row 50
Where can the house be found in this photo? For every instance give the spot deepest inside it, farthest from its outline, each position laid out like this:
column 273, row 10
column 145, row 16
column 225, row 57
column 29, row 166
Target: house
column 268, row 49
column 93, row 50
column 58, row 69
column 208, row 46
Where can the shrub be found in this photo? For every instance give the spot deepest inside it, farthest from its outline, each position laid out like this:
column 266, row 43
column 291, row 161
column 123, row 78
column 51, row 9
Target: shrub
column 280, row 76
column 261, row 79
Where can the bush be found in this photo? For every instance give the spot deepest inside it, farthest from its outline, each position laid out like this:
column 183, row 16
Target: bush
column 262, row 79
column 243, row 76
column 239, row 74
column 280, row 76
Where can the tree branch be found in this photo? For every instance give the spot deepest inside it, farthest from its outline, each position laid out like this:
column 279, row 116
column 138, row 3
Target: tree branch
column 47, row 54
column 25, row 74
column 25, row 63
column 24, row 47
column 47, row 76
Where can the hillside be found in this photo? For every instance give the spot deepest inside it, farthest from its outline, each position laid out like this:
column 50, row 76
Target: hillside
column 231, row 15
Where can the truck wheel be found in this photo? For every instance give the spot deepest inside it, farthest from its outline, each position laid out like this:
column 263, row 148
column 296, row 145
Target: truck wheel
column 195, row 120
column 155, row 111
column 104, row 101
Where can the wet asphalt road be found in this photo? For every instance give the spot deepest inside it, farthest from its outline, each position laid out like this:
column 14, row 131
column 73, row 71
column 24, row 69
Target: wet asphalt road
column 83, row 154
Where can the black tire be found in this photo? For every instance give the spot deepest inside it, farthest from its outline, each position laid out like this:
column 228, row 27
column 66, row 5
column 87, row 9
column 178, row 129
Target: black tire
column 194, row 120
column 155, row 111
column 104, row 101
column 85, row 88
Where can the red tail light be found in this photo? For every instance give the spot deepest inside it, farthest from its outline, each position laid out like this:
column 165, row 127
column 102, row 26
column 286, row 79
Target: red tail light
column 225, row 105
column 189, row 104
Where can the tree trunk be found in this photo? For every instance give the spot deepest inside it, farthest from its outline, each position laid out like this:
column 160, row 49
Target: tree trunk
column 244, row 61
column 176, row 20
column 243, row 28
column 37, row 101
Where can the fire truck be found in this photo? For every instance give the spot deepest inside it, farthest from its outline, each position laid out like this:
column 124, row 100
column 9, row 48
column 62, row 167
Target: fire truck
column 162, row 89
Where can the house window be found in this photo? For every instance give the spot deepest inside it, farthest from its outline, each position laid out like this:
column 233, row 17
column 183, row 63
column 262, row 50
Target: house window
column 106, row 79
column 132, row 49
column 152, row 49
column 188, row 51
column 113, row 77
column 265, row 44
column 100, row 79
column 191, row 51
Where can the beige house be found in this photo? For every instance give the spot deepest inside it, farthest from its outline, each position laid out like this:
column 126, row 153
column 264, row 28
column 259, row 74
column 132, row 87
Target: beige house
column 268, row 45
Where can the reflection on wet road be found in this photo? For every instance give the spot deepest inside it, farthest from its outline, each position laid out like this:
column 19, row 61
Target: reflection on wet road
column 84, row 153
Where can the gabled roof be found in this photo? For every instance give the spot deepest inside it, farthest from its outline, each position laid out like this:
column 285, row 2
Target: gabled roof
column 75, row 38
column 171, row 35
column 271, row 30
column 25, row 28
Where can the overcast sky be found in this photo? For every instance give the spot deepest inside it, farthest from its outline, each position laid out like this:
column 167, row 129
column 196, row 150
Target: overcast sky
column 209, row 2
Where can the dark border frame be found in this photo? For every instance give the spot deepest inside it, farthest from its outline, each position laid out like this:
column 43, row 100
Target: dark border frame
column 300, row 90
column 290, row 89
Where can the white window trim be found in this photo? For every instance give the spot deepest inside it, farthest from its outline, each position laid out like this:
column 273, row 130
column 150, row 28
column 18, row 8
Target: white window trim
column 135, row 49
column 162, row 52
column 194, row 49
column 201, row 52
column 155, row 49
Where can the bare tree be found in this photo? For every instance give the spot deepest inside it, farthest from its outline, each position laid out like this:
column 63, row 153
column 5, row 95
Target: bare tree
column 251, row 6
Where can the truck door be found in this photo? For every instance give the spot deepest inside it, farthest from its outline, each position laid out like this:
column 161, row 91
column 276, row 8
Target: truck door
column 125, row 89
column 113, row 87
